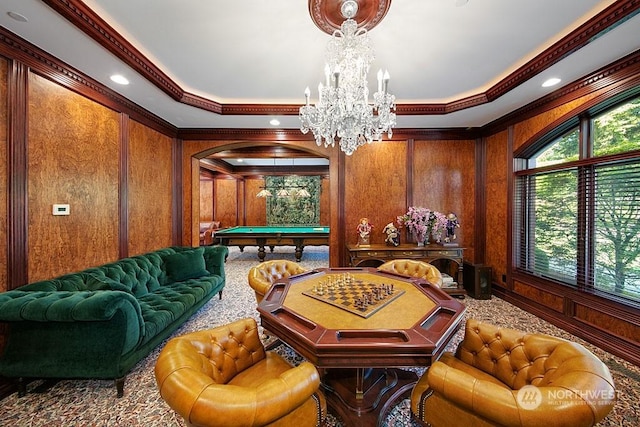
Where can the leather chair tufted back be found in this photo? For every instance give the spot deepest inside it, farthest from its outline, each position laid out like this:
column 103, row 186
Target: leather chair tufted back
column 481, row 384
column 263, row 275
column 224, row 377
column 414, row 268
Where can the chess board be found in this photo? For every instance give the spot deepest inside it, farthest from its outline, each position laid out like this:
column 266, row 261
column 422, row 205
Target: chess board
column 345, row 297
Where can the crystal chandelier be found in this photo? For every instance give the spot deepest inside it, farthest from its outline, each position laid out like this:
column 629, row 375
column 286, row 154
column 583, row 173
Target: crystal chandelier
column 343, row 108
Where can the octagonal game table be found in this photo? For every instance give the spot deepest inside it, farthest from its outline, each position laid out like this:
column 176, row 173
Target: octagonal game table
column 358, row 347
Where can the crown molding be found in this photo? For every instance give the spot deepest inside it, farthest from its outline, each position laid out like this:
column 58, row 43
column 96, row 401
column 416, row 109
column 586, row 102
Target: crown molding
column 76, row 12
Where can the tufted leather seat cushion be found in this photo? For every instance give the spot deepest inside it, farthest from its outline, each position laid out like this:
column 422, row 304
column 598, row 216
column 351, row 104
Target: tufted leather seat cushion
column 414, row 268
column 224, row 377
column 480, row 385
column 263, row 275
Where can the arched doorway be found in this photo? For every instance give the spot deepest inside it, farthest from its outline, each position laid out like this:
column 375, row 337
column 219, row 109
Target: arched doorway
column 234, row 173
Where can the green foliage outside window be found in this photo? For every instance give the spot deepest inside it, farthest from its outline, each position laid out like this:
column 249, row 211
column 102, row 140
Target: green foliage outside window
column 580, row 216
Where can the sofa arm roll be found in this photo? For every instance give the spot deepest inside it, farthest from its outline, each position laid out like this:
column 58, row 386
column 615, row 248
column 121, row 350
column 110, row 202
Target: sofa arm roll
column 214, row 259
column 270, row 401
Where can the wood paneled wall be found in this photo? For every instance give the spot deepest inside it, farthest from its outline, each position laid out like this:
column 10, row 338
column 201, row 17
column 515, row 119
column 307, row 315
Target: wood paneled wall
column 376, row 188
column 496, row 193
column 255, row 208
column 226, row 202
column 206, row 200
column 150, row 187
column 444, row 179
column 73, row 148
column 115, row 173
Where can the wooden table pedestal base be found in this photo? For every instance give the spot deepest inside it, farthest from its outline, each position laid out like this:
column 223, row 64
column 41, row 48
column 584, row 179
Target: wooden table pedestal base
column 364, row 396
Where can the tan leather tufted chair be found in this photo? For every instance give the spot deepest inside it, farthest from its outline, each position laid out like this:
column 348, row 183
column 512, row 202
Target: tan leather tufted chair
column 224, row 377
column 263, row 275
column 489, row 382
column 414, row 268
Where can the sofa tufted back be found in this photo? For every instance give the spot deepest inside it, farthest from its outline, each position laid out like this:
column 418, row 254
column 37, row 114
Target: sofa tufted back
column 518, row 359
column 414, row 268
column 141, row 273
column 263, row 275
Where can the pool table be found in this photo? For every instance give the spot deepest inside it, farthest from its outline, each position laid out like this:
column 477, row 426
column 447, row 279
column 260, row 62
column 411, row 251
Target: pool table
column 273, row 235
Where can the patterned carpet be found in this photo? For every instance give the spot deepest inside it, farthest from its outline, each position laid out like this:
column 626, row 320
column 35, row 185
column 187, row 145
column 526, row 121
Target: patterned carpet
column 94, row 402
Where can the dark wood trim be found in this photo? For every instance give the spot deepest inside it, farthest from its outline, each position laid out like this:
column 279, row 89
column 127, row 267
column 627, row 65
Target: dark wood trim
column 402, row 134
column 617, row 77
column 177, row 204
column 87, row 21
column 51, row 68
column 411, row 147
column 340, row 207
column 480, row 230
column 607, row 340
column 123, row 187
column 17, row 176
column 510, row 256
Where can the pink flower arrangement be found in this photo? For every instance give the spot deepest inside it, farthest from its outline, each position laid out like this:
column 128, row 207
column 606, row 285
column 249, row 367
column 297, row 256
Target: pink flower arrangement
column 422, row 222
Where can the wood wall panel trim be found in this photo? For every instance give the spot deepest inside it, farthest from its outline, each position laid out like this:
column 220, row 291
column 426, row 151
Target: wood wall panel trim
column 17, row 183
column 340, row 211
column 399, row 134
column 4, row 175
column 614, row 78
column 177, row 204
column 480, row 229
column 411, row 152
column 53, row 69
column 607, row 341
column 607, row 323
column 123, row 188
column 551, row 300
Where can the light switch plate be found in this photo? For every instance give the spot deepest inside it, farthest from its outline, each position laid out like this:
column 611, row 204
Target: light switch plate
column 60, row 209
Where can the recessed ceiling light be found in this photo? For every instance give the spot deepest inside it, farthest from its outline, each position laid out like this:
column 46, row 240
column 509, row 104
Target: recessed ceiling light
column 120, row 79
column 240, row 160
column 274, row 122
column 17, row 16
column 551, row 82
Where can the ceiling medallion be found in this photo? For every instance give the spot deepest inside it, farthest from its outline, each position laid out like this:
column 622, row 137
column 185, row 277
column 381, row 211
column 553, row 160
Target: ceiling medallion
column 326, row 14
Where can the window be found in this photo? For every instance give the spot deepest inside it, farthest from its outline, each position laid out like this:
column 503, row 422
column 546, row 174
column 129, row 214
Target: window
column 577, row 205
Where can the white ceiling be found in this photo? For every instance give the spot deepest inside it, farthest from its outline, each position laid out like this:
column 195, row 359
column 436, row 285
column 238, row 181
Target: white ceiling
column 264, row 52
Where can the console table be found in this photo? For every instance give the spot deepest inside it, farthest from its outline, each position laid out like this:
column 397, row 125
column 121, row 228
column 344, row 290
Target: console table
column 447, row 259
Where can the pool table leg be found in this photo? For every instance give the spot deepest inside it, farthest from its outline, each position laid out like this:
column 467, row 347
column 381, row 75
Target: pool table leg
column 299, row 249
column 261, row 253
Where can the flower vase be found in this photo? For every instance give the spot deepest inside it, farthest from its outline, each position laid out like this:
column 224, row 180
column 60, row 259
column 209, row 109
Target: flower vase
column 421, row 243
column 419, row 239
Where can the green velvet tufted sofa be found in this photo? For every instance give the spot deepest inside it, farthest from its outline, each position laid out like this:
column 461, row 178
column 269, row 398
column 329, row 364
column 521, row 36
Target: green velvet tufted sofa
column 98, row 323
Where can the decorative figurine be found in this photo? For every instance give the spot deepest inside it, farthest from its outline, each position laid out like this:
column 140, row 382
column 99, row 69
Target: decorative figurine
column 364, row 230
column 393, row 235
column 452, row 224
